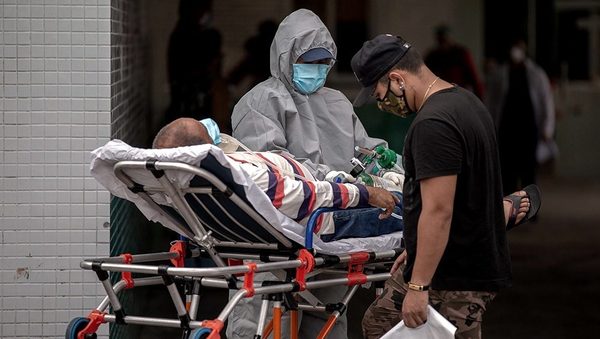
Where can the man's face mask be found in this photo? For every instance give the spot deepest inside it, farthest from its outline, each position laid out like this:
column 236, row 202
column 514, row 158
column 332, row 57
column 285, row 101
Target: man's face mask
column 393, row 104
column 213, row 130
column 309, row 78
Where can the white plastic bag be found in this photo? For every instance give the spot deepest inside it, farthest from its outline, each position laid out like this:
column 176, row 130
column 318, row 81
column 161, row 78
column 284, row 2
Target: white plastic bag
column 436, row 327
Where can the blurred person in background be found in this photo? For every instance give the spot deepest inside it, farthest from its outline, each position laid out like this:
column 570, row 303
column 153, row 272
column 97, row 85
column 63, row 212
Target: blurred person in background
column 254, row 67
column 453, row 62
column 194, row 66
column 520, row 99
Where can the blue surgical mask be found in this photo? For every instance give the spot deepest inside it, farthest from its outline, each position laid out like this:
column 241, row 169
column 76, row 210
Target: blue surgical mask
column 309, row 78
column 213, row 130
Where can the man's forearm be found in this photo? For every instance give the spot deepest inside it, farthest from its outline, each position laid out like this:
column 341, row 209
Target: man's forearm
column 432, row 238
column 434, row 226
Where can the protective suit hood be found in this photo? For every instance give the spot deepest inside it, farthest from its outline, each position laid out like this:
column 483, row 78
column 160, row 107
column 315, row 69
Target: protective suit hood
column 298, row 33
column 319, row 129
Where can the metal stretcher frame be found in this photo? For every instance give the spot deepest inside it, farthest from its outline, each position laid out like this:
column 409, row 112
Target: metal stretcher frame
column 222, row 238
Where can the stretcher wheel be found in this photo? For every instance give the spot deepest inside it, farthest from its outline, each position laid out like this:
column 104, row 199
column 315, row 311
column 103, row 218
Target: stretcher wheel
column 200, row 333
column 75, row 326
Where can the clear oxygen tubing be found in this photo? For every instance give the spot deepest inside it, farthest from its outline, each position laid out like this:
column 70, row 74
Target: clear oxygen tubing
column 364, row 150
column 399, row 217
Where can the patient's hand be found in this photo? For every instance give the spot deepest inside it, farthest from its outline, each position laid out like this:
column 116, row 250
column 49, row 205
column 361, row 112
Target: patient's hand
column 379, row 197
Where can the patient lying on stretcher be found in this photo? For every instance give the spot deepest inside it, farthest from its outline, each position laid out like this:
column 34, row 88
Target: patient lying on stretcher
column 294, row 191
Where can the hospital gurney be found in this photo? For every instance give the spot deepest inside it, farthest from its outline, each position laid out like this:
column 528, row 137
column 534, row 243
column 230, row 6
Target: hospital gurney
column 206, row 197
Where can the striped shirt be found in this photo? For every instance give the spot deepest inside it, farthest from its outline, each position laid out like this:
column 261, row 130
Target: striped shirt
column 294, row 191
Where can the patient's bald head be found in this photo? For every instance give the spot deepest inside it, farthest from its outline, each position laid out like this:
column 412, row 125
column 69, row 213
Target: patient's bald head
column 182, row 132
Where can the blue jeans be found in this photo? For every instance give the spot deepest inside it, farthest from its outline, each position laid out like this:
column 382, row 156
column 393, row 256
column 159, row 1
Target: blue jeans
column 364, row 222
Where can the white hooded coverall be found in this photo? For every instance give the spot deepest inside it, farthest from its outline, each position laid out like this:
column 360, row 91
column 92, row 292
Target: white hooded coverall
column 319, row 129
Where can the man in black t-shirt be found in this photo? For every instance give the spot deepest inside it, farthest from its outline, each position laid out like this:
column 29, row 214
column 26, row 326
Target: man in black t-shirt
column 456, row 254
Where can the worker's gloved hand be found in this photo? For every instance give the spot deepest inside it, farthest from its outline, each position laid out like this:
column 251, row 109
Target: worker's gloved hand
column 396, row 178
column 339, row 177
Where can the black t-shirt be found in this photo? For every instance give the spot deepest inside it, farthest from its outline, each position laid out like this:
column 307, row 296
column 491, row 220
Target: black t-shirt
column 454, row 134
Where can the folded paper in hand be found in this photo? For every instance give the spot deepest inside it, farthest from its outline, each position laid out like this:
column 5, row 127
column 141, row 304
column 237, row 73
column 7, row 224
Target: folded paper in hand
column 436, row 327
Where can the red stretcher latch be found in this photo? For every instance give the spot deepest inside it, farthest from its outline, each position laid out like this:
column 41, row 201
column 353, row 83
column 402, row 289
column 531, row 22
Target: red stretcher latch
column 215, row 325
column 308, row 263
column 249, row 280
column 126, row 276
column 179, row 248
column 356, row 268
column 96, row 319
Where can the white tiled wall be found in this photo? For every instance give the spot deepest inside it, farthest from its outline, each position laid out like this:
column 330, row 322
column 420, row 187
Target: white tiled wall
column 55, row 108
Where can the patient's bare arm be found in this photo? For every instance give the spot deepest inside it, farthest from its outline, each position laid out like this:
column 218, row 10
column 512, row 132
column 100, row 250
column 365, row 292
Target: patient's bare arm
column 379, row 197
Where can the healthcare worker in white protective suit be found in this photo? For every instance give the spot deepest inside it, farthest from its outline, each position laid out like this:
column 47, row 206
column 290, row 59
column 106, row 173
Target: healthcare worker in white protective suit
column 292, row 111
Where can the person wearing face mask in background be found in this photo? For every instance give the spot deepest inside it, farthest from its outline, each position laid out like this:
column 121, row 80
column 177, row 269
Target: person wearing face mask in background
column 520, row 99
column 456, row 256
column 295, row 112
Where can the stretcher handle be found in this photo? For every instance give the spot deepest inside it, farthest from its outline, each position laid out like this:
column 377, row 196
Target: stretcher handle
column 312, row 224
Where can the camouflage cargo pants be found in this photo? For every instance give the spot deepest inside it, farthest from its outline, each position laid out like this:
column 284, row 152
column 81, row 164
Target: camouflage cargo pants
column 464, row 309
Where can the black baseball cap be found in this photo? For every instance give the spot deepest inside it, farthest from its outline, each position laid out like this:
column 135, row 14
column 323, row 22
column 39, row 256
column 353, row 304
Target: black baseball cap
column 375, row 58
